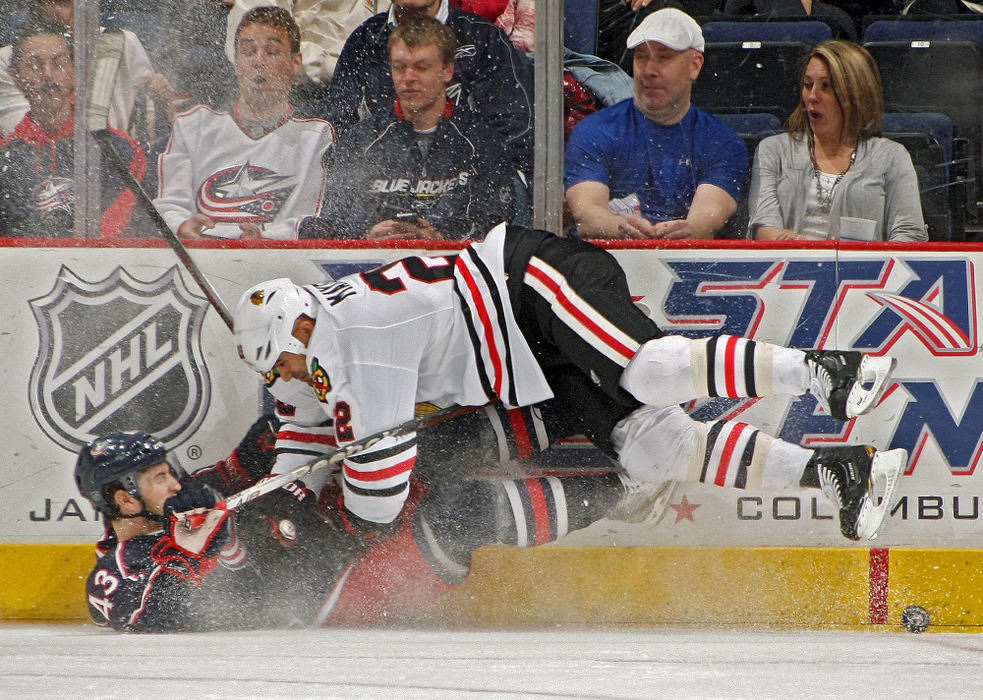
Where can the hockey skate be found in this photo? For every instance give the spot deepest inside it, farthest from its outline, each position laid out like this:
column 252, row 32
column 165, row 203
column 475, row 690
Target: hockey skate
column 643, row 502
column 848, row 477
column 847, row 384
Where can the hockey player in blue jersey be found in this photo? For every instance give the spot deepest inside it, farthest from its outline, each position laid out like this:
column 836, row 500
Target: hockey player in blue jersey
column 283, row 560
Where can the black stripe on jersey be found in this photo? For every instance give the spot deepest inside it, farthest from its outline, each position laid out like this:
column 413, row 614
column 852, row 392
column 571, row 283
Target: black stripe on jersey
column 496, row 300
column 500, row 312
column 377, row 493
column 749, row 387
column 475, row 343
column 326, row 423
column 375, row 455
column 740, row 479
column 712, row 434
column 711, row 367
column 305, row 453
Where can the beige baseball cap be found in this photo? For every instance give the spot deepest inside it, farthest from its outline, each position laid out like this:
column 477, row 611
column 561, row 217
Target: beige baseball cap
column 670, row 27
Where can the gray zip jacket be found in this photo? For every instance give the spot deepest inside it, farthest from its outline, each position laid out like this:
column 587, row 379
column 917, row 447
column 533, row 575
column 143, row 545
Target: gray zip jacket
column 881, row 185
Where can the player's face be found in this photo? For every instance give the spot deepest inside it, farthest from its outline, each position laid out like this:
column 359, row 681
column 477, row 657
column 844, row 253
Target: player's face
column 664, row 80
column 420, row 77
column 819, row 99
column 157, row 484
column 292, row 366
column 265, row 65
column 45, row 73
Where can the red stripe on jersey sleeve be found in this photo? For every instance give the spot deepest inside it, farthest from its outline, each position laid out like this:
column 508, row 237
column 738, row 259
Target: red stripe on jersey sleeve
column 382, row 474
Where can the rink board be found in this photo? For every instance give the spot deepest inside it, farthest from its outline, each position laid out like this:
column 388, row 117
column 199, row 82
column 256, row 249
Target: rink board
column 103, row 337
column 769, row 587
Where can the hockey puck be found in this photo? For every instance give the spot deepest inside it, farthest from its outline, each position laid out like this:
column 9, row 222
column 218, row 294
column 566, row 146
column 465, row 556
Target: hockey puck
column 915, row 619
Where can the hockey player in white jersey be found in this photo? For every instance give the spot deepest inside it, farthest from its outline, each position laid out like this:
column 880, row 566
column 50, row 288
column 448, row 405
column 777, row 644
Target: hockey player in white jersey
column 256, row 170
column 525, row 316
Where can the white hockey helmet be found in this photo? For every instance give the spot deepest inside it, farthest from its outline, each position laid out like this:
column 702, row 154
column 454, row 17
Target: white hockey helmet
column 264, row 322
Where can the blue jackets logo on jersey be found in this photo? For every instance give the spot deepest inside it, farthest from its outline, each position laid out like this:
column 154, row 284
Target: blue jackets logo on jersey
column 55, row 193
column 118, row 353
column 244, row 193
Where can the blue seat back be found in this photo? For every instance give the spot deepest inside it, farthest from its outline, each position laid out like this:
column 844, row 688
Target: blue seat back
column 747, row 77
column 936, row 125
column 810, row 33
column 758, row 124
column 928, row 30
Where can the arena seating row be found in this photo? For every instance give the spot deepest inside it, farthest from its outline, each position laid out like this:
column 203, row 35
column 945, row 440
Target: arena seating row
column 932, row 75
column 931, row 69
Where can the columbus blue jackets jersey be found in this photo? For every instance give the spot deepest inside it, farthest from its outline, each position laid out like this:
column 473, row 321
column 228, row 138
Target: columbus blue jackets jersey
column 214, row 167
column 37, row 183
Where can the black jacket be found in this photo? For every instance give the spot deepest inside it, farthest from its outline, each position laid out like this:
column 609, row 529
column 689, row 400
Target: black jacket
column 462, row 186
column 490, row 75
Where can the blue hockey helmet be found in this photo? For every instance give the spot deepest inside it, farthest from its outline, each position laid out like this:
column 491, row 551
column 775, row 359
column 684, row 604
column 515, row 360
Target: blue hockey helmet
column 119, row 458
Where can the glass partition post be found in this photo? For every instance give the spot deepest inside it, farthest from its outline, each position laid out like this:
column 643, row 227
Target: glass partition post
column 88, row 209
column 548, row 177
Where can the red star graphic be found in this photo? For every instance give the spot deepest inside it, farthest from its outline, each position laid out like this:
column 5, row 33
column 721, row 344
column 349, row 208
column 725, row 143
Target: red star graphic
column 684, row 511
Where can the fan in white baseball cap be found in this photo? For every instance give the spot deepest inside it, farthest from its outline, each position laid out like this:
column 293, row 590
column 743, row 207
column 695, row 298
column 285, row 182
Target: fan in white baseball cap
column 669, row 27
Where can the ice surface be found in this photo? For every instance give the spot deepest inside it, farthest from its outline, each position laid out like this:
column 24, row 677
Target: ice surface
column 60, row 661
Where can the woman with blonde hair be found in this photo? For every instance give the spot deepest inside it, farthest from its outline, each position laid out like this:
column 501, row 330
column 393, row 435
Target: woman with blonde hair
column 831, row 174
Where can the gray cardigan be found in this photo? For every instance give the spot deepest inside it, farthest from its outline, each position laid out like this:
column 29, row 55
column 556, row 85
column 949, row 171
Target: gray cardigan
column 880, row 185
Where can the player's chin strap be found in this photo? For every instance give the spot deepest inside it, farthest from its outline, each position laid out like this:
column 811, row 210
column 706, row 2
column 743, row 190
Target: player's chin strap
column 142, row 514
column 156, row 517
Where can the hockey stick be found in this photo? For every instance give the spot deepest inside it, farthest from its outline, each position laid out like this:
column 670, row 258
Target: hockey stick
column 193, row 520
column 109, row 52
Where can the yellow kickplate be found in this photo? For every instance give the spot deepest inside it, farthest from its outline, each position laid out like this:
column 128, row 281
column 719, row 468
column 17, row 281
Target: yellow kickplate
column 44, row 582
column 595, row 586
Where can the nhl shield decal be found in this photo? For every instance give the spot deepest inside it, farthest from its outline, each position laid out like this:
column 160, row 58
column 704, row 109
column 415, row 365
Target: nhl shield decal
column 119, row 354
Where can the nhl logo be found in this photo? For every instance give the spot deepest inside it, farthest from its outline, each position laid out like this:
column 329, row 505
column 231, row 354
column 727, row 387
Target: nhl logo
column 119, row 354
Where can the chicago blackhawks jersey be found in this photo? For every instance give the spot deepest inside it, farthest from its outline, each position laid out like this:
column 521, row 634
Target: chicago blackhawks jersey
column 213, row 166
column 439, row 330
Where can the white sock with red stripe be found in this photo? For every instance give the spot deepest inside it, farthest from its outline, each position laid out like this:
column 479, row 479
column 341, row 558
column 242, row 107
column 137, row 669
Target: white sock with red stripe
column 741, row 456
column 661, row 444
column 674, row 369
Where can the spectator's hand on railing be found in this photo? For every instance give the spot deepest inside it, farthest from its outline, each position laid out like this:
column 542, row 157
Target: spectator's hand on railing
column 193, row 227
column 635, row 226
column 677, row 228
column 395, row 229
column 250, row 232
